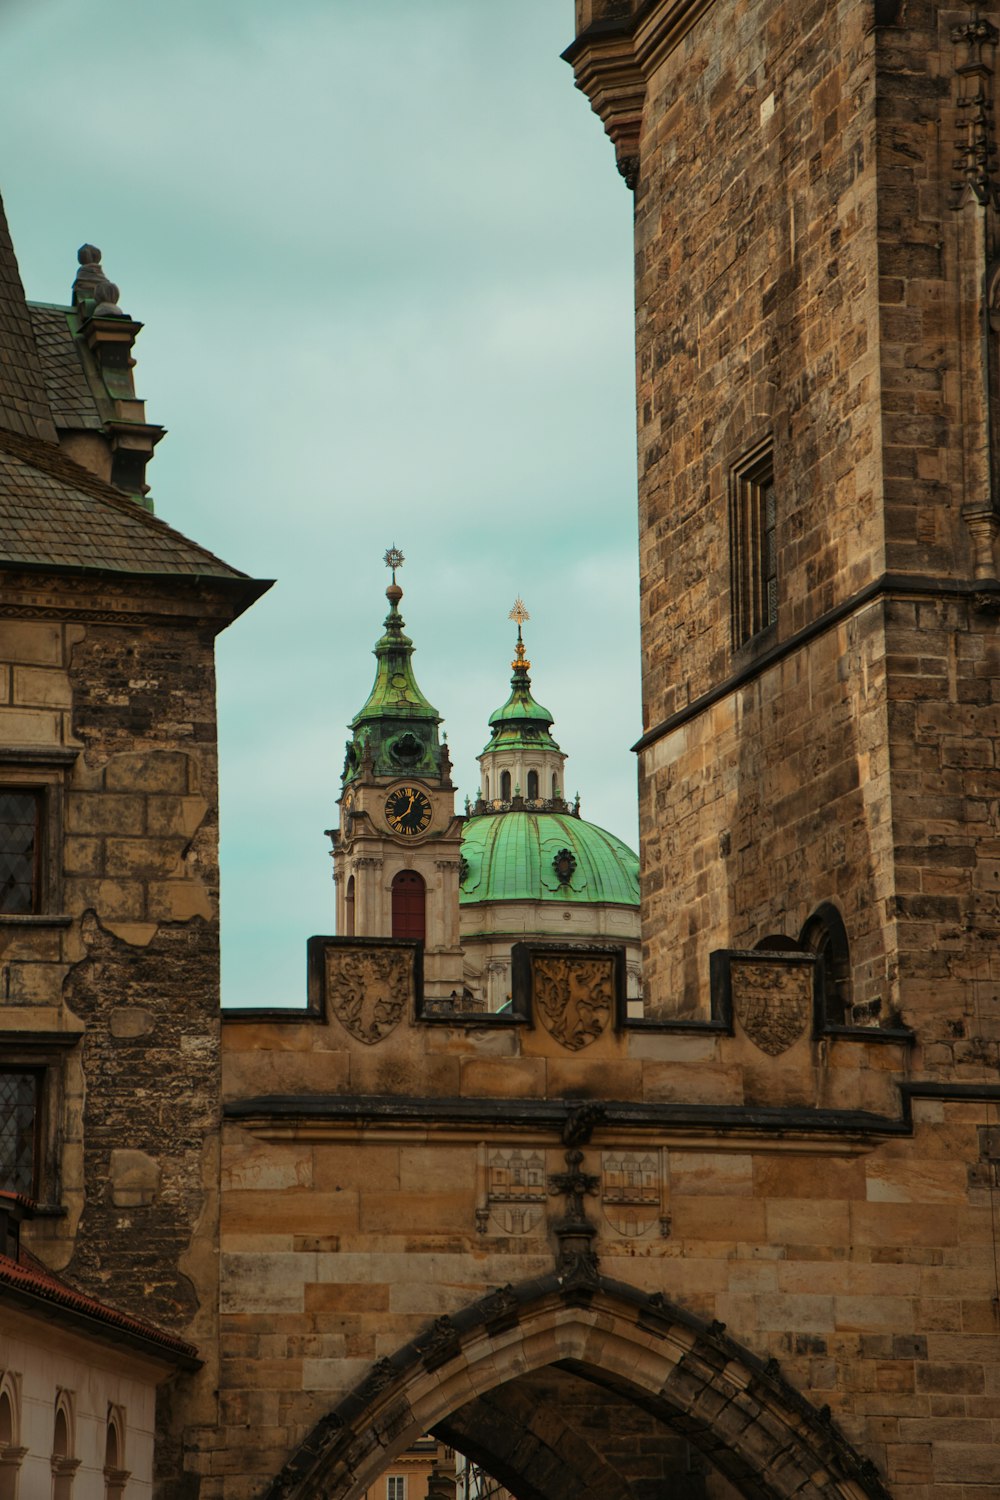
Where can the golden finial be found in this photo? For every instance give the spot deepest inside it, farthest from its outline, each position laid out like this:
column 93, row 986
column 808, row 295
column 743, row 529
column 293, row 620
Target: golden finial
column 519, row 614
column 393, row 559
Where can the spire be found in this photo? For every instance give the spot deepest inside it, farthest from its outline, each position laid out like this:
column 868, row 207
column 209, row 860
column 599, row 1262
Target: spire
column 520, row 722
column 24, row 404
column 396, row 732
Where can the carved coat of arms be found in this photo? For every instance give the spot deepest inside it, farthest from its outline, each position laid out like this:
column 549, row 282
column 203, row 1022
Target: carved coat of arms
column 516, row 1191
column 368, row 989
column 772, row 1000
column 574, row 997
column 632, row 1195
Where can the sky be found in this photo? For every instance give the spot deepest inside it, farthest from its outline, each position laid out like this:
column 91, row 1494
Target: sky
column 384, row 263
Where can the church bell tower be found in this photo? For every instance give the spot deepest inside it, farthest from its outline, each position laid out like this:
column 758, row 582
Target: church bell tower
column 396, row 853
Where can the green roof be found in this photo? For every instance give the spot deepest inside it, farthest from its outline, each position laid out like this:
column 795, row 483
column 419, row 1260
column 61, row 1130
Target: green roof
column 397, row 728
column 512, row 856
column 521, row 723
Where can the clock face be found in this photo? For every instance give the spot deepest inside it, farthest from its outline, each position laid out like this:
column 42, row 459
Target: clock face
column 407, row 810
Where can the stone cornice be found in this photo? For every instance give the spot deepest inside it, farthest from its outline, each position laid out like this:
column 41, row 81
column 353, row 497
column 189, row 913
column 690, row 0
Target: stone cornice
column 613, row 60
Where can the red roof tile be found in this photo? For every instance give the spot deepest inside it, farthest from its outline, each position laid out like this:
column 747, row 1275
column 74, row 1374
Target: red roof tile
column 29, row 1277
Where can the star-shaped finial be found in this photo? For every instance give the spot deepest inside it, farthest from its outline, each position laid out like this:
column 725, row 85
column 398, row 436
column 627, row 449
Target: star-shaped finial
column 519, row 614
column 393, row 559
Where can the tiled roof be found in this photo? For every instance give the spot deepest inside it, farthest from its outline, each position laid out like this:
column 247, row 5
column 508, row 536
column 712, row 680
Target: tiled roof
column 54, row 513
column 70, row 397
column 35, row 1281
column 24, row 405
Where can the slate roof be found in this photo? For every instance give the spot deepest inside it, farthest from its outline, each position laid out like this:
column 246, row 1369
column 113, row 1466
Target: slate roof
column 24, row 403
column 70, row 397
column 54, row 513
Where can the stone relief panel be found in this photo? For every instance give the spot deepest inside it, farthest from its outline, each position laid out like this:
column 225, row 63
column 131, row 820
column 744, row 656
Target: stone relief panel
column 512, row 1193
column 369, row 989
column 573, row 996
column 772, row 1000
column 634, row 1192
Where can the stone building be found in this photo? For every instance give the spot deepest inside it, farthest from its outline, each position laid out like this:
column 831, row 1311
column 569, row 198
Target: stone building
column 746, row 1244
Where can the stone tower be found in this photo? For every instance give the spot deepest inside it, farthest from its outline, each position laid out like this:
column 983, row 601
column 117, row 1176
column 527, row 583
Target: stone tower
column 817, row 281
column 396, row 853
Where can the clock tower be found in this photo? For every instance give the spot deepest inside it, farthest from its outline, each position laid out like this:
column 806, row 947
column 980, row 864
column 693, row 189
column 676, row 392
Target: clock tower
column 396, row 853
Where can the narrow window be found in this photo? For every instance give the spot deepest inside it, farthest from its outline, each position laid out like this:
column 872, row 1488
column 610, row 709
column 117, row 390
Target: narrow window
column 115, row 1474
column 486, row 789
column 555, row 785
column 395, row 1487
column 349, row 909
column 504, row 786
column 64, row 1465
column 20, row 822
column 18, row 1131
column 11, row 1453
column 533, row 786
column 753, row 544
column 409, row 905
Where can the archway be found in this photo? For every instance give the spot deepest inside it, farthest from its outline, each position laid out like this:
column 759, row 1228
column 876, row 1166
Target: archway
column 756, row 1433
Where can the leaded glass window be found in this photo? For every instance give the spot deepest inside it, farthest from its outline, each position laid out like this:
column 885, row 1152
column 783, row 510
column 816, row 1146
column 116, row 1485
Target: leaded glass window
column 19, row 841
column 18, row 1131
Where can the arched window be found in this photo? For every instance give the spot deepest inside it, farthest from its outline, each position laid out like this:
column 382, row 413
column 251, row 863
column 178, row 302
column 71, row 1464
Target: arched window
column 486, row 789
column 533, row 786
column 825, row 935
column 504, row 786
column 349, row 909
column 555, row 785
column 115, row 1474
column 409, row 905
column 11, row 1453
column 64, row 1465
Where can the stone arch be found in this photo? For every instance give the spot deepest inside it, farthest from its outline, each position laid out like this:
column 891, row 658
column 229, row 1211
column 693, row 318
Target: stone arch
column 755, row 1429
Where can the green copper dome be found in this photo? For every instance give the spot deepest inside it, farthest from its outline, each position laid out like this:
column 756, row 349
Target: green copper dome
column 396, row 733
column 527, row 856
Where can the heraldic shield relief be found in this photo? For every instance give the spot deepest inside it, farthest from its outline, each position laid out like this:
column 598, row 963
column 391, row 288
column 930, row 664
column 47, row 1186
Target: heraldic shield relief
column 631, row 1191
column 368, row 989
column 516, row 1190
column 573, row 996
column 772, row 1000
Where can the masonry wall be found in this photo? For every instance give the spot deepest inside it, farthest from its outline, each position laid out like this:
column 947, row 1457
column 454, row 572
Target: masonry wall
column 112, row 713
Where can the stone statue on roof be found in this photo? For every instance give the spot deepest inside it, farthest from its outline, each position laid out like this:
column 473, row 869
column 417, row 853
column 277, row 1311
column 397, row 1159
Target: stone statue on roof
column 91, row 285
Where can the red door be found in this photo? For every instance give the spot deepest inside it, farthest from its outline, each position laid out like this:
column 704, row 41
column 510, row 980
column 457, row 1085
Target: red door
column 409, row 905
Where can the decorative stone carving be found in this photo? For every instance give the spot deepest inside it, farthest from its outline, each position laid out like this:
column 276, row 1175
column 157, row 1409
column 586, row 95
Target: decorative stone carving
column 772, row 1000
column 439, row 1344
column 92, row 285
column 368, row 989
column 516, row 1191
column 574, row 997
column 630, row 1191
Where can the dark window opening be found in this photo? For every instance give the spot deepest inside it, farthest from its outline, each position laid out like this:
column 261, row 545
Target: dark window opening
column 753, row 545
column 20, row 844
column 825, row 935
column 349, row 909
column 533, row 786
column 18, row 1131
column 409, row 905
column 504, row 786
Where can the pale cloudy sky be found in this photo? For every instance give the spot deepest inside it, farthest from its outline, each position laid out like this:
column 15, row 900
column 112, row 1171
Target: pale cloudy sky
column 384, row 262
